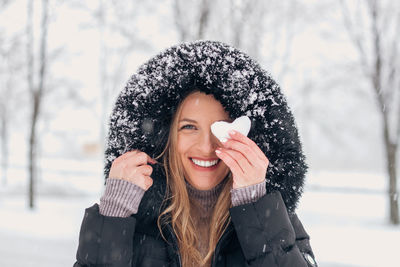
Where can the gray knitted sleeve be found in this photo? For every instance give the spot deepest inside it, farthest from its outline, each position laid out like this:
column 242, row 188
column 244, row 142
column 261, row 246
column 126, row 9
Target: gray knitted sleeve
column 121, row 198
column 248, row 194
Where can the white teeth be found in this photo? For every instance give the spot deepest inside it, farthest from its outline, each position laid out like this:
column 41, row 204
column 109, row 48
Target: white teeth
column 205, row 163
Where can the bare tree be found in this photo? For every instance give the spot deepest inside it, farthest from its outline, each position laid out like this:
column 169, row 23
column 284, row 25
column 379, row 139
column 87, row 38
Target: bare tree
column 243, row 20
column 31, row 89
column 114, row 19
column 374, row 28
column 192, row 24
column 36, row 92
column 248, row 25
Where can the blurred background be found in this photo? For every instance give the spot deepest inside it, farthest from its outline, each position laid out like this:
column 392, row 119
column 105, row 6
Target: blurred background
column 62, row 64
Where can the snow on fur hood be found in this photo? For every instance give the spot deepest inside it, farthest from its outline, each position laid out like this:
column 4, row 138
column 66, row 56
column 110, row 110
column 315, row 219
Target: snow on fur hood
column 144, row 109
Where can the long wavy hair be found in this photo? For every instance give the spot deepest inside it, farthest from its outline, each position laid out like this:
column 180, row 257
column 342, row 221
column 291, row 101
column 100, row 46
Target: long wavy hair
column 177, row 212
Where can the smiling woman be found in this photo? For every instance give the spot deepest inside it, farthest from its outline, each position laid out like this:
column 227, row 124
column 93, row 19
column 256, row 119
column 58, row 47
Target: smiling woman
column 178, row 196
column 196, row 144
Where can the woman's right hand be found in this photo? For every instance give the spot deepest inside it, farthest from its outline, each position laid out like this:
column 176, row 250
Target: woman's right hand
column 132, row 166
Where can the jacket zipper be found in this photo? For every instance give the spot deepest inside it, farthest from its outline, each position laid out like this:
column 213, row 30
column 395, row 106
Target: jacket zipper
column 217, row 247
column 216, row 251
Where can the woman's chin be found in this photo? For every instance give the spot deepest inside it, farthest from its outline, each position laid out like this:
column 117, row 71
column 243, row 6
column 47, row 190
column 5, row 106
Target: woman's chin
column 204, row 183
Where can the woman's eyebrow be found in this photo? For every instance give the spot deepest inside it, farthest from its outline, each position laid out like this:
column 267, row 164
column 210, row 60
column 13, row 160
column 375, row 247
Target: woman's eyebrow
column 193, row 121
column 188, row 120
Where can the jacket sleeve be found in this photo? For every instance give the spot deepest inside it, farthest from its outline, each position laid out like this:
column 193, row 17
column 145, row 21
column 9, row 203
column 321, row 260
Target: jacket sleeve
column 105, row 241
column 267, row 236
column 303, row 240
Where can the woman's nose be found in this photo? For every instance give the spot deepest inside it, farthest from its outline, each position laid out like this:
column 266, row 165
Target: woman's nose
column 208, row 143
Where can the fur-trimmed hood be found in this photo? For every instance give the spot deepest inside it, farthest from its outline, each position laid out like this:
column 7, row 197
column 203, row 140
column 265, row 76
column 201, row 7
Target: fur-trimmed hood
column 144, row 109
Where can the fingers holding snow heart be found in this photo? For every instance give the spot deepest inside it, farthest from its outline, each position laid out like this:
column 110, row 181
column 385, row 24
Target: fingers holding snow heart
column 245, row 159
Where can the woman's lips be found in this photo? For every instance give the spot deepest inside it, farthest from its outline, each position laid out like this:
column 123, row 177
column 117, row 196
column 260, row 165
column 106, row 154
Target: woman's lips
column 204, row 159
column 200, row 168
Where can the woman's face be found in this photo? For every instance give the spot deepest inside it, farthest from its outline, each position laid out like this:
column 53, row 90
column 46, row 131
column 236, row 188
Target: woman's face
column 196, row 144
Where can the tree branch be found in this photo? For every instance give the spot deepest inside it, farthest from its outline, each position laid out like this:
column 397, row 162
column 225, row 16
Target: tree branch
column 356, row 38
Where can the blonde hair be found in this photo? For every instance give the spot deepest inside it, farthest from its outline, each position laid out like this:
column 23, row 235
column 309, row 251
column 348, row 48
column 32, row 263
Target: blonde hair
column 178, row 210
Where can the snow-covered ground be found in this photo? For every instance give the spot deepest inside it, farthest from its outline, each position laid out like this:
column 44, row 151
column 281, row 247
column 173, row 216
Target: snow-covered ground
column 348, row 226
column 44, row 237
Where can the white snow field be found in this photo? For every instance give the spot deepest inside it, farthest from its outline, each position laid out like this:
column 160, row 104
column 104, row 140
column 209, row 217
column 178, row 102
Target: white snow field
column 344, row 213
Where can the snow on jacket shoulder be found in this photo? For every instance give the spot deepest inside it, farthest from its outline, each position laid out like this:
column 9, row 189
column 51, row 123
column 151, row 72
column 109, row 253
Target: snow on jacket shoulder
column 263, row 233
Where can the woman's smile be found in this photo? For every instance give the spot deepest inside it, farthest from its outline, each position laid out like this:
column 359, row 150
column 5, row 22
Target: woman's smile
column 205, row 165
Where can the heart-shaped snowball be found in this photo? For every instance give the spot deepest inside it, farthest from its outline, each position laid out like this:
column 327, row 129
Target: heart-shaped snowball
column 221, row 128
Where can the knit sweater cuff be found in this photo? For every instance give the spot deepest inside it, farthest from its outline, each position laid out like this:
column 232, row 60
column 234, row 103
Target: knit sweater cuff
column 248, row 194
column 121, row 198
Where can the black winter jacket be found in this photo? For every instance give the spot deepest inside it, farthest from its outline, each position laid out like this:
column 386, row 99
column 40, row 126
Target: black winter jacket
column 264, row 233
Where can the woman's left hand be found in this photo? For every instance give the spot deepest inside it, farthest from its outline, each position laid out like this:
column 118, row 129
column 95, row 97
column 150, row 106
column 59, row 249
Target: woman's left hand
column 247, row 162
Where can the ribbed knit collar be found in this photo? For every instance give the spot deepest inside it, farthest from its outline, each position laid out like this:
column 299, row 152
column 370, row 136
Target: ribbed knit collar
column 206, row 198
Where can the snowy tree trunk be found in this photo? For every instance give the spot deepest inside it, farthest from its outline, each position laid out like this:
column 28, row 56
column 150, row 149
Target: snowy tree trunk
column 29, row 33
column 381, row 68
column 391, row 149
column 36, row 93
column 377, row 83
column 32, row 151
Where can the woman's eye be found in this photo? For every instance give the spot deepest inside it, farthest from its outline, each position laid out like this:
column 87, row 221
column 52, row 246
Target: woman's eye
column 188, row 126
